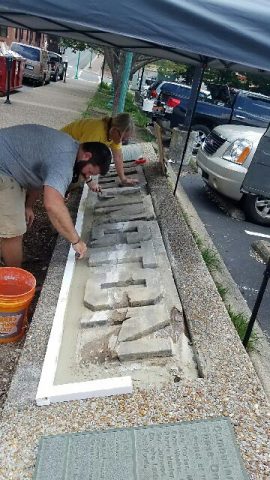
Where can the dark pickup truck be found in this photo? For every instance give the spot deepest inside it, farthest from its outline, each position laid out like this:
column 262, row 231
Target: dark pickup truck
column 239, row 107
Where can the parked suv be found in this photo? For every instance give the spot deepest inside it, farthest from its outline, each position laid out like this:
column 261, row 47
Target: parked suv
column 37, row 67
column 223, row 162
column 156, row 87
column 227, row 105
column 57, row 67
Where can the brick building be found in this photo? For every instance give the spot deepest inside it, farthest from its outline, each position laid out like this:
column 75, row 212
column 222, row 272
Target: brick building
column 29, row 37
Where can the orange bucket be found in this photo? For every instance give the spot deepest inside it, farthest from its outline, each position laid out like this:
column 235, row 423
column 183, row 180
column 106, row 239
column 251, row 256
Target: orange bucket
column 17, row 289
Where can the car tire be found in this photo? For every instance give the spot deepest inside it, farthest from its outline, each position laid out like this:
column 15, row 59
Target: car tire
column 257, row 209
column 42, row 82
column 61, row 76
column 202, row 131
column 55, row 77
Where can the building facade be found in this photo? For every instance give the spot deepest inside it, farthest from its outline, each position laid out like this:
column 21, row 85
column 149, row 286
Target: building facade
column 28, row 37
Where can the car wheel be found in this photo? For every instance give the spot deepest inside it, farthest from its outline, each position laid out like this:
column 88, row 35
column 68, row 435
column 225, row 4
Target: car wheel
column 43, row 81
column 201, row 133
column 257, row 209
column 55, row 77
column 61, row 76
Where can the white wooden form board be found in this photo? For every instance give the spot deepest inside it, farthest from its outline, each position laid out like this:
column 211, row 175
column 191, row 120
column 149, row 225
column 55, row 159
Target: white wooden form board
column 47, row 392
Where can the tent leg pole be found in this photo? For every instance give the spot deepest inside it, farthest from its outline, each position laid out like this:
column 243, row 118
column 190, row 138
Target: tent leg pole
column 257, row 305
column 125, row 82
column 141, row 79
column 195, row 90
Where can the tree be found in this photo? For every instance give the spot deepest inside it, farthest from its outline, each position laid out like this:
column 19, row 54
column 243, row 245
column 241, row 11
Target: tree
column 171, row 70
column 115, row 59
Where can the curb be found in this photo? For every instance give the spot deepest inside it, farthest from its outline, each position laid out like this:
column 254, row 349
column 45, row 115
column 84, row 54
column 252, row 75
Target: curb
column 262, row 248
column 234, row 298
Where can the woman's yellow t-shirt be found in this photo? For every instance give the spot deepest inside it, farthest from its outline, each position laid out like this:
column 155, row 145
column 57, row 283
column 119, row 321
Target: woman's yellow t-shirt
column 91, row 130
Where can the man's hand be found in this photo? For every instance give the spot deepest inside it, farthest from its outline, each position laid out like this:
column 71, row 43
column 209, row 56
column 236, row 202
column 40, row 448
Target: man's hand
column 80, row 249
column 129, row 181
column 29, row 216
column 94, row 187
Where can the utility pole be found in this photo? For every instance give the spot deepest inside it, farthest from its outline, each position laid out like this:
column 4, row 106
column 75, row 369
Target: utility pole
column 77, row 66
column 91, row 57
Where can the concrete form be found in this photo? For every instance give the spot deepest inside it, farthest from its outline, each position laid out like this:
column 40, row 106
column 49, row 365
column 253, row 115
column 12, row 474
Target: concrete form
column 124, row 295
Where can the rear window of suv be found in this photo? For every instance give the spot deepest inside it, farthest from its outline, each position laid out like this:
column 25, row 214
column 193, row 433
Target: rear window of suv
column 55, row 58
column 26, row 52
column 172, row 89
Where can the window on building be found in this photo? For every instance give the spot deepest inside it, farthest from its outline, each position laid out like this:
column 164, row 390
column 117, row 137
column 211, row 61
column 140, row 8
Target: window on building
column 16, row 33
column 3, row 31
column 31, row 36
column 21, row 33
column 27, row 35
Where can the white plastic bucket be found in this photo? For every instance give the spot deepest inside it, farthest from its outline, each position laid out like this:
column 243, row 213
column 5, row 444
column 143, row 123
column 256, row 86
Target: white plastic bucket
column 148, row 105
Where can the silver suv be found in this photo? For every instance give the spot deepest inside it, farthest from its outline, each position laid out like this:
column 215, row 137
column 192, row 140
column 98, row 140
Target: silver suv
column 57, row 66
column 37, row 67
column 223, row 162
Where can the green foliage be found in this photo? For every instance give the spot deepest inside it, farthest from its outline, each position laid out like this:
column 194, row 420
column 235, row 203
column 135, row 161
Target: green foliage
column 170, row 70
column 100, row 100
column 197, row 239
column 105, row 87
column 74, row 45
column 211, row 259
column 222, row 77
column 77, row 46
column 130, row 105
column 140, row 119
column 240, row 322
column 222, row 290
column 146, row 136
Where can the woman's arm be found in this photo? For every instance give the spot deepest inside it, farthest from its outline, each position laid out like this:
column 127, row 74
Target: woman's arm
column 119, row 165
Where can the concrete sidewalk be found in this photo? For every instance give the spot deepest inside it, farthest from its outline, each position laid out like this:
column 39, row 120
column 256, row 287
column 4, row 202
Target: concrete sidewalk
column 53, row 105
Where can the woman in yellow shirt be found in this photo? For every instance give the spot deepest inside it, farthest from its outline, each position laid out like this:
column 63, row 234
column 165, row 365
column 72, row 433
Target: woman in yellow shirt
column 109, row 130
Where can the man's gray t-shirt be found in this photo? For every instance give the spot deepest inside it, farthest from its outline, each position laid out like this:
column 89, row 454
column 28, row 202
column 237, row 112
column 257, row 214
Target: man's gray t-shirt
column 35, row 156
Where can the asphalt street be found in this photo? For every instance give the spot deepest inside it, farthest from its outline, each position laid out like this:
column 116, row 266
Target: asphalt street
column 233, row 239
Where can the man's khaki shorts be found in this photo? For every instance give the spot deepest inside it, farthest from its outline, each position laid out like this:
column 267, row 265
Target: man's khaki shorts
column 12, row 208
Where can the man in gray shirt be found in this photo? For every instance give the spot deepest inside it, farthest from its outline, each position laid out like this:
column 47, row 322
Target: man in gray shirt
column 35, row 158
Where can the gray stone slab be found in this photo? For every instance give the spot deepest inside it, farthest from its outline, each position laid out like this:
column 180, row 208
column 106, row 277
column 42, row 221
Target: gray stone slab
column 144, row 348
column 197, row 450
column 105, row 201
column 123, row 213
column 144, row 321
column 112, row 180
column 117, row 191
column 105, row 291
column 120, row 232
column 121, row 254
column 104, row 317
column 97, row 319
column 129, row 170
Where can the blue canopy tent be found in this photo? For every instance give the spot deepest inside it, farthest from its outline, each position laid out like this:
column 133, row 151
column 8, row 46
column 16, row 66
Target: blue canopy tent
column 205, row 33
column 219, row 33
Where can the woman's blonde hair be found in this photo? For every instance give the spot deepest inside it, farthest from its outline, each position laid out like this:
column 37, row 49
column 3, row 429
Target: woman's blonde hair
column 123, row 122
